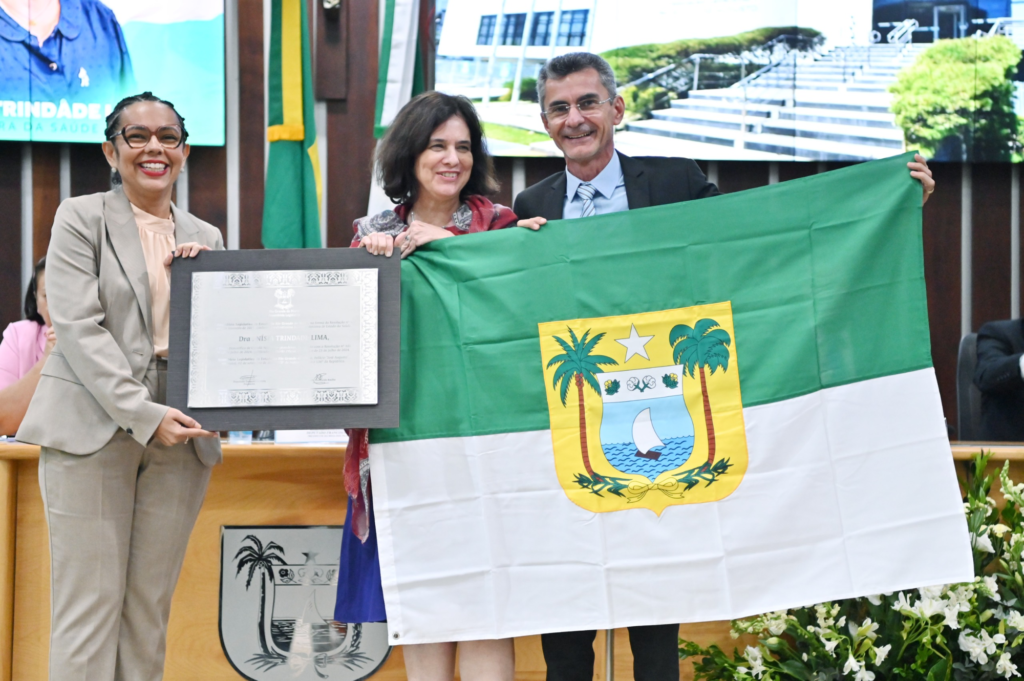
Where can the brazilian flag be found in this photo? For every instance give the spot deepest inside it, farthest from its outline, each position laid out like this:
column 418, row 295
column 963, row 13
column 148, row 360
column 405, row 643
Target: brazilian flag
column 291, row 209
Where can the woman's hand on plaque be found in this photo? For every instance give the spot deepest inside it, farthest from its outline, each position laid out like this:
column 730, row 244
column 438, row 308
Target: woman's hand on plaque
column 378, row 243
column 188, row 250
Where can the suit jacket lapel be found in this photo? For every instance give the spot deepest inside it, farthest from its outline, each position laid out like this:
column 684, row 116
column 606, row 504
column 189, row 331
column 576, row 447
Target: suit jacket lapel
column 638, row 191
column 554, row 200
column 184, row 229
column 124, row 237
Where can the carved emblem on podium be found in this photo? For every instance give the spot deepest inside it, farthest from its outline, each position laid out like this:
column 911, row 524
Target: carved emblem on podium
column 277, row 595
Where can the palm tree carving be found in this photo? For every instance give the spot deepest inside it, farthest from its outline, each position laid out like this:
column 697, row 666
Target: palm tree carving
column 706, row 345
column 260, row 559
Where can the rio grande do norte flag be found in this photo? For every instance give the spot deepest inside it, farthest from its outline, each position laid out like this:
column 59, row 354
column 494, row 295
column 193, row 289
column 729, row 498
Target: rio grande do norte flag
column 684, row 413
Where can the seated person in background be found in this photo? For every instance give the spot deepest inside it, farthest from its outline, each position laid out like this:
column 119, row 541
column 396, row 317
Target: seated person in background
column 1000, row 378
column 24, row 349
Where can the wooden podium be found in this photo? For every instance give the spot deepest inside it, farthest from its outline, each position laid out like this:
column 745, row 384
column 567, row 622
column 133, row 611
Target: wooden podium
column 256, row 485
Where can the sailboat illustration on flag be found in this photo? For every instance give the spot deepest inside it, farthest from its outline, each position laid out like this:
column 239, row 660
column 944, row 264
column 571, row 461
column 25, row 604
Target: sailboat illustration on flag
column 645, row 426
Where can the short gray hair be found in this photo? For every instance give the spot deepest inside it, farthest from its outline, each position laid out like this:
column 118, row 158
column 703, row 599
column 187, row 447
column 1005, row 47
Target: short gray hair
column 574, row 62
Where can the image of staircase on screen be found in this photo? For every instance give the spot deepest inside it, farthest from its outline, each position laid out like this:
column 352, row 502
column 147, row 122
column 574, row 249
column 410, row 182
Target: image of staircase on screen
column 768, row 80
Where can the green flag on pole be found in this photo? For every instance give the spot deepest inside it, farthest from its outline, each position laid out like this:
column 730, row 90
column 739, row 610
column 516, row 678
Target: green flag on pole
column 291, row 209
column 400, row 74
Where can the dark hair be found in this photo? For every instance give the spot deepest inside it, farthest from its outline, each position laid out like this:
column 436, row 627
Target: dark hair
column 574, row 62
column 409, row 135
column 114, row 121
column 31, row 310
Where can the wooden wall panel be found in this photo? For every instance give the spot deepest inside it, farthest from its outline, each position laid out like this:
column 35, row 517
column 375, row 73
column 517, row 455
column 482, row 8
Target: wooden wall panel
column 330, row 50
column 207, row 186
column 942, row 278
column 427, row 45
column 251, row 131
column 1020, row 205
column 796, row 170
column 350, row 129
column 541, row 167
column 45, row 194
column 90, row 172
column 503, row 169
column 990, row 253
column 10, row 233
column 735, row 176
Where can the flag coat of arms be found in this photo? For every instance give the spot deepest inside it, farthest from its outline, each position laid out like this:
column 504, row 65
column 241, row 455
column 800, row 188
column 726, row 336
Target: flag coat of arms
column 684, row 413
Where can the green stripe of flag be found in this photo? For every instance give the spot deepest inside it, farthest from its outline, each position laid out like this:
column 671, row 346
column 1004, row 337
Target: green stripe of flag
column 291, row 205
column 825, row 275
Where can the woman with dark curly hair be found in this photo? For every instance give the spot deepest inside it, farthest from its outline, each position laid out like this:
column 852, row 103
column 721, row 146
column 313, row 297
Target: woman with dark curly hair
column 432, row 163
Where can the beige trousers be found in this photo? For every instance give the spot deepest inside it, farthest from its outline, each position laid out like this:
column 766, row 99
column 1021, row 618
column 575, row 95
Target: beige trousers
column 119, row 522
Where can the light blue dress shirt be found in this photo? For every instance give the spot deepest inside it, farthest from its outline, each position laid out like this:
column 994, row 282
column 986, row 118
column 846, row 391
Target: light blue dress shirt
column 610, row 196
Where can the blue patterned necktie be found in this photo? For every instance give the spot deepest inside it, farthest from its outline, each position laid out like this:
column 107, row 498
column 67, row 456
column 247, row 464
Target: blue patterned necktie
column 586, row 192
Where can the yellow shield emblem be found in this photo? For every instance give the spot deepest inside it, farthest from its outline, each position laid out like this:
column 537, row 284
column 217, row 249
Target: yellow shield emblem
column 645, row 409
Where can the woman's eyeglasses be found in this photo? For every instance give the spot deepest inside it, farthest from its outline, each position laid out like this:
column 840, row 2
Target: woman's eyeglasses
column 587, row 107
column 138, row 136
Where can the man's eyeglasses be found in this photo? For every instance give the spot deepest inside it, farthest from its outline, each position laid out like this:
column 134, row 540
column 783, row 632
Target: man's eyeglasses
column 138, row 136
column 587, row 107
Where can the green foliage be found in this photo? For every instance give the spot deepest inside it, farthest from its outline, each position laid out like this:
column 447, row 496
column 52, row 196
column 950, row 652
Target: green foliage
column 527, row 90
column 671, row 381
column 630, row 63
column 956, row 99
column 508, row 133
column 611, row 387
column 959, row 632
column 577, row 361
column 706, row 472
column 704, row 345
column 602, row 483
column 641, row 101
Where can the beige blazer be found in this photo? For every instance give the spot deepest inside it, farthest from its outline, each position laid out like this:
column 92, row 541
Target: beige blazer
column 102, row 374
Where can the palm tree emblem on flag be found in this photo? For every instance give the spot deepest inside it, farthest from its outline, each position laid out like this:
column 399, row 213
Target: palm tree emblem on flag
column 656, row 417
column 577, row 365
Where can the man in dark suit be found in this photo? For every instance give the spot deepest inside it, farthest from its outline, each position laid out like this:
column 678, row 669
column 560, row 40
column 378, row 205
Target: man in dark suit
column 999, row 376
column 580, row 109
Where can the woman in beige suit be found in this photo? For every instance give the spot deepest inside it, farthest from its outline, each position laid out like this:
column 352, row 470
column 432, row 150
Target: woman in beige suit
column 122, row 475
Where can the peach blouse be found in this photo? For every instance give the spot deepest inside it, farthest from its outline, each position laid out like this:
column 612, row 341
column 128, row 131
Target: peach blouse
column 157, row 235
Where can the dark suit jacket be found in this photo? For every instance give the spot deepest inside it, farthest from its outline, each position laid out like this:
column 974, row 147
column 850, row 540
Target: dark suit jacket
column 650, row 181
column 1000, row 345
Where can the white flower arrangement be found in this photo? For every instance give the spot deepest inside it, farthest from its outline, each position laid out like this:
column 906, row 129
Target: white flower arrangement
column 957, row 632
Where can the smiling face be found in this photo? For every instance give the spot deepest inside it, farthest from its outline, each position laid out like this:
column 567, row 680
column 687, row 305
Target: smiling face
column 148, row 173
column 586, row 141
column 444, row 167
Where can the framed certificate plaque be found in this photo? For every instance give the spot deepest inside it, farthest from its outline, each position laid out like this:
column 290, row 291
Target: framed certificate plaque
column 285, row 339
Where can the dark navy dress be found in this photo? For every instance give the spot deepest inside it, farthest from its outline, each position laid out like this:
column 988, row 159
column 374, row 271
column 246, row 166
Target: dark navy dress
column 360, row 596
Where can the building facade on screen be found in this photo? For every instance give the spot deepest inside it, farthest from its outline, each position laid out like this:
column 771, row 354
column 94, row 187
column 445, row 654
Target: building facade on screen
column 475, row 32
column 747, row 79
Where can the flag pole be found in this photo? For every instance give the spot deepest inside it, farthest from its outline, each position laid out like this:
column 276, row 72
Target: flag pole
column 609, row 655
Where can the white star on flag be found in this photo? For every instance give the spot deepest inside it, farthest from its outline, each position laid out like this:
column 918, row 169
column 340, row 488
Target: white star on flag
column 635, row 343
